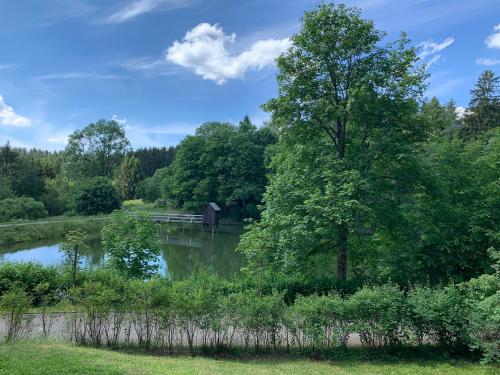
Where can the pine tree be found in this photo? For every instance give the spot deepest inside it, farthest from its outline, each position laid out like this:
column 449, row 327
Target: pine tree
column 484, row 107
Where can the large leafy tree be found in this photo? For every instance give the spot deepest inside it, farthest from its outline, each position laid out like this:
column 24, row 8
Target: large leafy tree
column 95, row 196
column 342, row 89
column 96, row 150
column 222, row 163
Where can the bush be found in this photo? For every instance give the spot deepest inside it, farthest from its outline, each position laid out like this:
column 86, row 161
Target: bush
column 96, row 196
column 15, row 304
column 197, row 305
column 260, row 317
column 28, row 277
column 441, row 314
column 319, row 321
column 377, row 313
column 21, row 208
column 485, row 328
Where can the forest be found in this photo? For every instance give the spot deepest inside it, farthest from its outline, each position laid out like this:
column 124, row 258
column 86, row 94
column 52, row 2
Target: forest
column 368, row 207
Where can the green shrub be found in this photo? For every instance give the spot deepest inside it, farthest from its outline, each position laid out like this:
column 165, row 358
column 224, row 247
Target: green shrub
column 97, row 195
column 485, row 328
column 440, row 314
column 377, row 313
column 15, row 304
column 318, row 320
column 21, row 208
column 197, row 305
column 259, row 317
column 28, row 277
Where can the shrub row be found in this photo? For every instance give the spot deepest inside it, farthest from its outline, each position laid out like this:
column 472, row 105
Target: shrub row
column 204, row 311
column 21, row 208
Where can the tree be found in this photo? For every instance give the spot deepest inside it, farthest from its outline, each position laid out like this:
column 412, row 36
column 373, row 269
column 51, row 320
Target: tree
column 221, row 163
column 154, row 158
column 149, row 189
column 132, row 243
column 484, row 107
column 440, row 119
column 96, row 149
column 338, row 81
column 129, row 176
column 73, row 243
column 97, row 195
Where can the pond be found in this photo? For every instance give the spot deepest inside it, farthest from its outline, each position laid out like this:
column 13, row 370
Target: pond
column 185, row 248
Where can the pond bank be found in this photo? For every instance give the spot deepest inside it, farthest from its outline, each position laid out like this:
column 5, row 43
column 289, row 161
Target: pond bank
column 16, row 232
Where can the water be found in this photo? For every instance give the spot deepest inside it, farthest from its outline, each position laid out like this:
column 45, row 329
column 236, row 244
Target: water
column 185, row 248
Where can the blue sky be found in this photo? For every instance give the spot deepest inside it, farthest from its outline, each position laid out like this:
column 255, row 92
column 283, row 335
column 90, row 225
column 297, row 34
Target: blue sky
column 162, row 67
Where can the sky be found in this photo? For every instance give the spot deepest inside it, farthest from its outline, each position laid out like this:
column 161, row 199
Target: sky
column 163, row 67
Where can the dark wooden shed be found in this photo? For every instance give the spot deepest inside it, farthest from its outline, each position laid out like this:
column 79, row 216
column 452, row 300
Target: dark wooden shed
column 211, row 215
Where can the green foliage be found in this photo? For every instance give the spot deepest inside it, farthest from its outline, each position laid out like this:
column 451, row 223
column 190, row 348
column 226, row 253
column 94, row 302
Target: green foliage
column 378, row 314
column 221, row 163
column 346, row 115
column 96, row 149
column 484, row 107
column 21, row 208
column 15, row 304
column 97, row 195
column 149, row 189
column 485, row 328
column 131, row 241
column 129, row 175
column 260, row 317
column 49, row 229
column 321, row 321
column 154, row 158
column 29, row 277
column 73, row 243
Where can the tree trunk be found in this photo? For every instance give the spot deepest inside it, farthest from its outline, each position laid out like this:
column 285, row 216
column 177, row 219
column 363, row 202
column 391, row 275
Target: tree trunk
column 342, row 253
column 343, row 229
column 75, row 264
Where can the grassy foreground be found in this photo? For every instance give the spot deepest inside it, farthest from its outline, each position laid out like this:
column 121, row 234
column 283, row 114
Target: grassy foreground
column 28, row 358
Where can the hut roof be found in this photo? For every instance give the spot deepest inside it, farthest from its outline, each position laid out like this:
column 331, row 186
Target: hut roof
column 214, row 206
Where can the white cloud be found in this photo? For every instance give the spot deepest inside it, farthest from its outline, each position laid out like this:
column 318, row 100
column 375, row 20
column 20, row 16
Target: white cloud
column 487, row 61
column 460, row 111
column 493, row 41
column 429, row 47
column 76, row 75
column 140, row 7
column 62, row 139
column 10, row 118
column 204, row 50
column 433, row 60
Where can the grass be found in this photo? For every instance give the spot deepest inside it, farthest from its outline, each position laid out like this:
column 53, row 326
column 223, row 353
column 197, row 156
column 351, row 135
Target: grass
column 49, row 228
column 26, row 358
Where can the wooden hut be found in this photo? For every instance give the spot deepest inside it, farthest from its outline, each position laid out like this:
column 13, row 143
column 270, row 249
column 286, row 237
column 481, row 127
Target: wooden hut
column 211, row 215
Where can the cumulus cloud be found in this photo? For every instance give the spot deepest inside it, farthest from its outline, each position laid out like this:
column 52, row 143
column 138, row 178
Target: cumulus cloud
column 204, row 50
column 493, row 41
column 140, row 7
column 460, row 111
column 430, row 47
column 10, row 118
column 487, row 61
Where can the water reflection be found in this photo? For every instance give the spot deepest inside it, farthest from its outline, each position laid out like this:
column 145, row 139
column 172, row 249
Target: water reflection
column 185, row 248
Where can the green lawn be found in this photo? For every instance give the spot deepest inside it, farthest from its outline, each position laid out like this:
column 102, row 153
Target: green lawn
column 61, row 359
